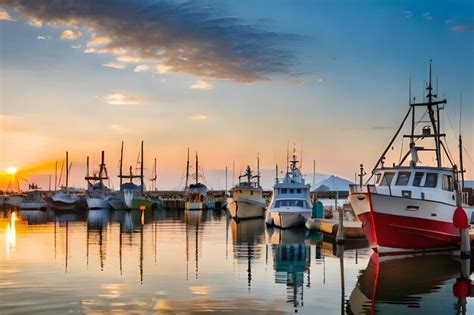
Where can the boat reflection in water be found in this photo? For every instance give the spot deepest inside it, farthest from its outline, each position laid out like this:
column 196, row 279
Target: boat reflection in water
column 395, row 285
column 291, row 261
column 247, row 235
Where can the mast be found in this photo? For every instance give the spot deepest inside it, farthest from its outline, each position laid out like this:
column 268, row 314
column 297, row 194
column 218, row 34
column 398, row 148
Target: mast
column 67, row 169
column 121, row 166
column 141, row 170
column 226, row 178
column 197, row 168
column 56, row 176
column 87, row 172
column 258, row 171
column 102, row 167
column 276, row 174
column 187, row 172
column 461, row 164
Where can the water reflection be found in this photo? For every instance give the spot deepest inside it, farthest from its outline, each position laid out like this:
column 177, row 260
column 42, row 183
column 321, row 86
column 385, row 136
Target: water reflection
column 401, row 285
column 171, row 260
column 247, row 235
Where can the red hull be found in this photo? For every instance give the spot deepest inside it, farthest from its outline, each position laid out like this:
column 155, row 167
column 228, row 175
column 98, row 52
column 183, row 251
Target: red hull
column 399, row 233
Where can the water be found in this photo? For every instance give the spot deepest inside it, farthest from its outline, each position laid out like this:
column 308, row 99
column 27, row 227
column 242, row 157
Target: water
column 168, row 261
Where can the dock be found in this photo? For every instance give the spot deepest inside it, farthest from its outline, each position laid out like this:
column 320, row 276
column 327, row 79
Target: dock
column 352, row 229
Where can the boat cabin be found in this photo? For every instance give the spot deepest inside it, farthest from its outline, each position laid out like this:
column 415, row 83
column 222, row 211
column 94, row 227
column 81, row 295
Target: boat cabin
column 425, row 183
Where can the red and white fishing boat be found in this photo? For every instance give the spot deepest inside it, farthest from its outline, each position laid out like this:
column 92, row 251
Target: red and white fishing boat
column 410, row 205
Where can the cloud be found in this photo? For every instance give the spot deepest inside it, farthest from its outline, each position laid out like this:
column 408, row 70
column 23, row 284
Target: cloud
column 123, row 98
column 115, row 65
column 4, row 16
column 76, row 46
column 198, row 117
column 408, row 14
column 116, row 128
column 70, row 35
column 201, row 85
column 463, row 28
column 190, row 37
column 427, row 15
column 41, row 38
column 141, row 68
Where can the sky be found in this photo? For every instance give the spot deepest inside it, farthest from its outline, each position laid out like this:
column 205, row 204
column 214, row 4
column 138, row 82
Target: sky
column 229, row 79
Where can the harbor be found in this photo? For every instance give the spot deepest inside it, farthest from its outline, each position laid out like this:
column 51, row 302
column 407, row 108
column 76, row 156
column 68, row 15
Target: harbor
column 236, row 157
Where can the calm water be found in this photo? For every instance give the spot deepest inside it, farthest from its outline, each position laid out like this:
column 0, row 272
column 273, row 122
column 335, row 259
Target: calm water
column 169, row 261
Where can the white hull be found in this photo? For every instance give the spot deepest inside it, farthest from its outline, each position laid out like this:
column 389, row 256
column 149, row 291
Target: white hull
column 285, row 219
column 14, row 200
column 246, row 209
column 128, row 198
column 97, row 203
column 194, row 205
column 33, row 205
column 117, row 204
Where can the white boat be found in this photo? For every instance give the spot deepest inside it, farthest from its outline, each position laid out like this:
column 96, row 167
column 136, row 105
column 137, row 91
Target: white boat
column 247, row 200
column 97, row 192
column 410, row 206
column 14, row 199
column 34, row 201
column 66, row 198
column 116, row 201
column 195, row 194
column 291, row 202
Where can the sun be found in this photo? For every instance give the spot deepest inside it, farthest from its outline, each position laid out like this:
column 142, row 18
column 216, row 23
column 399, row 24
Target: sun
column 11, row 170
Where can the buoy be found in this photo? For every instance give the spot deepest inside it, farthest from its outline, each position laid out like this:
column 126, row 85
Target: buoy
column 462, row 288
column 461, row 222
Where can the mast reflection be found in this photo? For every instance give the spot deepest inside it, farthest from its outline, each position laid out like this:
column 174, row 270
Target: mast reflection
column 246, row 235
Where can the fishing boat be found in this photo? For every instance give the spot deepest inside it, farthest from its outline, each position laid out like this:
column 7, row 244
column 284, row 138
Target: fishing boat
column 291, row 202
column 247, row 200
column 195, row 194
column 97, row 193
column 410, row 206
column 66, row 198
column 133, row 195
column 34, row 199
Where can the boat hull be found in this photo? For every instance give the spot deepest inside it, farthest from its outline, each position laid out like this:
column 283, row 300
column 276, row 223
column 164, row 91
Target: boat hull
column 14, row 201
column 396, row 225
column 97, row 203
column 242, row 209
column 33, row 205
column 287, row 219
column 194, row 205
column 117, row 204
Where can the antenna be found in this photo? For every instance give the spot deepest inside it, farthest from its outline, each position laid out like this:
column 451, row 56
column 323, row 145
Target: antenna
column 258, row 171
column 197, row 168
column 141, row 170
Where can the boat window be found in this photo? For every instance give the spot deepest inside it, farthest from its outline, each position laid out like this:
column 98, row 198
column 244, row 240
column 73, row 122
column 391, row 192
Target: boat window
column 377, row 178
column 292, row 191
column 418, row 178
column 387, row 179
column 298, row 191
column 431, row 180
column 402, row 179
column 448, row 182
column 284, row 191
column 291, row 203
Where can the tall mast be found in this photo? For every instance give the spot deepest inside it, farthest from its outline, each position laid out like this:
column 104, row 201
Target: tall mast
column 434, row 120
column 226, row 178
column 197, row 168
column 87, row 168
column 187, row 172
column 141, row 170
column 461, row 163
column 121, row 165
column 67, row 169
column 102, row 167
column 258, row 171
column 56, row 176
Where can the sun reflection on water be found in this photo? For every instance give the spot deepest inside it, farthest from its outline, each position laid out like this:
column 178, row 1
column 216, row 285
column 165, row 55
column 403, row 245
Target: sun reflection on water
column 11, row 234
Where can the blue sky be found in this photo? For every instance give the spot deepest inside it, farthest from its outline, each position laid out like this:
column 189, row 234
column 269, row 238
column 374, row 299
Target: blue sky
column 230, row 79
